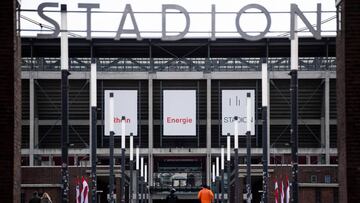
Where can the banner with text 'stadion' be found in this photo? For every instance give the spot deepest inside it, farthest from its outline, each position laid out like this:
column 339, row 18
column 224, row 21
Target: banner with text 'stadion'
column 234, row 104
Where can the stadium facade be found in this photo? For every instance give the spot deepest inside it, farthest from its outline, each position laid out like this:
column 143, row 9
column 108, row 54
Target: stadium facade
column 153, row 66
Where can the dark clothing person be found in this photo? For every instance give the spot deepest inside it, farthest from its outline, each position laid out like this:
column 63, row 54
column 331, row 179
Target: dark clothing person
column 35, row 198
column 172, row 198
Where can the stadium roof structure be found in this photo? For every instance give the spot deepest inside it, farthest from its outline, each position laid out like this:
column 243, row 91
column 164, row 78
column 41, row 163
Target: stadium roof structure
column 185, row 48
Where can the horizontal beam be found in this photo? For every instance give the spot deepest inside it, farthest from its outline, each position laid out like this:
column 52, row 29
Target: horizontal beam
column 179, row 151
column 34, row 185
column 322, row 185
column 201, row 122
column 85, row 75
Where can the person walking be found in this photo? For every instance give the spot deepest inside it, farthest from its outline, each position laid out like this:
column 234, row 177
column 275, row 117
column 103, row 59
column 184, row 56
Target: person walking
column 205, row 195
column 172, row 198
column 46, row 198
column 35, row 198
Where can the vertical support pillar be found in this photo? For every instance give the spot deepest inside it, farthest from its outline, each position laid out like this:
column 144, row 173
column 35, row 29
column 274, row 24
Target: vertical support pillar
column 142, row 180
column 248, row 148
column 31, row 119
column 64, row 106
column 111, row 148
column 327, row 118
column 237, row 190
column 93, row 130
column 265, row 101
column 137, row 166
column 294, row 114
column 151, row 134
column 217, row 181
column 208, row 129
column 123, row 146
column 222, row 174
column 131, row 192
column 228, row 159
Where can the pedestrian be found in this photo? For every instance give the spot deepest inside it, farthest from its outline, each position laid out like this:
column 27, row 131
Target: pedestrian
column 35, row 198
column 172, row 198
column 205, row 195
column 46, row 198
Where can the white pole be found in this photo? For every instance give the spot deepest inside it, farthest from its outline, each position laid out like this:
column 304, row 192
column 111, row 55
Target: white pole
column 123, row 133
column 222, row 159
column 142, row 167
column 93, row 85
column 213, row 173
column 137, row 158
column 265, row 128
column 64, row 45
column 248, row 112
column 265, row 101
column 228, row 145
column 217, row 167
column 264, row 84
column 111, row 114
column 236, row 134
column 131, row 147
column 295, row 48
column 145, row 172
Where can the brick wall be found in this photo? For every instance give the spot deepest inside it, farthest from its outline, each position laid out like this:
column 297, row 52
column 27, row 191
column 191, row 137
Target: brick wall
column 307, row 194
column 348, row 101
column 10, row 105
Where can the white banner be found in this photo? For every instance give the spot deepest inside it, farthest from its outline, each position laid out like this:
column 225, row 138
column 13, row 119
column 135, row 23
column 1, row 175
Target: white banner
column 125, row 104
column 234, row 104
column 179, row 112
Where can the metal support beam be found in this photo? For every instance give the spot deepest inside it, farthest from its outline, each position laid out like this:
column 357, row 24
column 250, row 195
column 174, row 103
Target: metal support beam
column 327, row 118
column 111, row 149
column 208, row 129
column 64, row 106
column 265, row 130
column 248, row 148
column 93, row 130
column 151, row 134
column 236, row 177
column 31, row 119
column 294, row 114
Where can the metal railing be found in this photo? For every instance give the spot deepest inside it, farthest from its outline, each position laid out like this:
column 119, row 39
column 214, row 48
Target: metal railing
column 179, row 64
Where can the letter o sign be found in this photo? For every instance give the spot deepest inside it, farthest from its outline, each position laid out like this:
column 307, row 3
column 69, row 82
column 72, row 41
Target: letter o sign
column 244, row 34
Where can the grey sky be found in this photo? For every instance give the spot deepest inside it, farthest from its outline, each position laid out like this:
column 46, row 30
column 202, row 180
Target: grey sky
column 109, row 22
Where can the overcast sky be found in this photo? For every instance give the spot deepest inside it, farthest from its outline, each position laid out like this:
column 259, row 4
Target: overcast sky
column 106, row 24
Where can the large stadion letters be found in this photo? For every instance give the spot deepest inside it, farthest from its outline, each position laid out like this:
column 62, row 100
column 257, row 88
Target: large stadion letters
column 167, row 8
column 234, row 104
column 179, row 113
column 125, row 104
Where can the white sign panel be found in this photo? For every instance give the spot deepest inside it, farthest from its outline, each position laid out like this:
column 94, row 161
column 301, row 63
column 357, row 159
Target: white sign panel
column 125, row 104
column 234, row 104
column 179, row 113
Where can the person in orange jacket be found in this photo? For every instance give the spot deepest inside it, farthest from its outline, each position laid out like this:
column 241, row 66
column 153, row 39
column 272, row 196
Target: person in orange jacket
column 205, row 195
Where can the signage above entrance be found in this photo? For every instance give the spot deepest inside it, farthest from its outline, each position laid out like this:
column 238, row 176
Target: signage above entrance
column 167, row 11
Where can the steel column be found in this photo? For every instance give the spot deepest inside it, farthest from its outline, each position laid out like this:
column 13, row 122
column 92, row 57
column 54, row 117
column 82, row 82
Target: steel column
column 111, row 148
column 294, row 114
column 93, row 130
column 265, row 88
column 64, row 106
